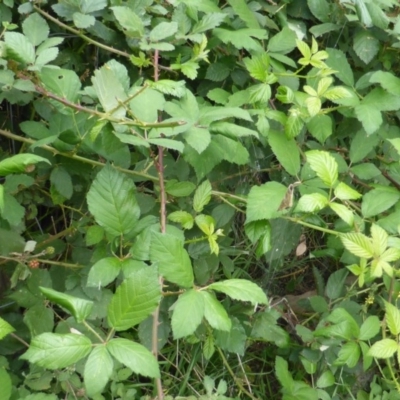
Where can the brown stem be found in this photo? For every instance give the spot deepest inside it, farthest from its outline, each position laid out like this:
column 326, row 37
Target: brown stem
column 163, row 218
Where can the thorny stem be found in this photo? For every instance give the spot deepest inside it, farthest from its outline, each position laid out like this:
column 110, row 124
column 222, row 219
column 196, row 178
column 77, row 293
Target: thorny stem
column 163, row 223
column 74, row 156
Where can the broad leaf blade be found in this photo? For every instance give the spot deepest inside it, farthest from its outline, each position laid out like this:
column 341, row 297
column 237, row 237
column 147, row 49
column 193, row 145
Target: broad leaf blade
column 5, row 328
column 98, row 370
column 55, row 351
column 215, row 313
column 20, row 163
column 188, row 313
column 134, row 356
column 241, row 289
column 135, row 299
column 111, row 200
column 172, row 259
column 286, row 151
column 79, row 308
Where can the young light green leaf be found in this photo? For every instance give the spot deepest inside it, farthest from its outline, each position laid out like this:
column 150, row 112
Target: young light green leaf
column 188, row 313
column 134, row 356
column 172, row 259
column 349, row 354
column 56, row 351
column 311, row 202
column 135, row 299
column 183, row 218
column 314, row 105
column 20, row 163
column 345, row 192
column 5, row 328
column 283, row 374
column 98, row 370
column 104, row 272
column 241, row 289
column 358, row 244
column 384, row 348
column 79, row 308
column 392, row 318
column 324, row 165
column 215, row 313
column 111, row 200
column 343, row 212
column 379, row 239
column 202, row 196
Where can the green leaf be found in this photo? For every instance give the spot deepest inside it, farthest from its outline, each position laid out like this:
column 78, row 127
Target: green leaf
column 241, row 38
column 179, row 189
column 369, row 116
column 311, row 202
column 286, row 151
column 110, row 91
column 365, row 171
column 265, row 327
column 35, row 29
column 146, row 104
column 324, row 165
column 39, row 319
column 5, row 384
column 56, row 351
column 233, row 341
column 135, row 299
column 264, row 201
column 294, row 124
column 314, row 105
column 168, row 143
column 208, row 22
column 366, row 46
column 369, row 328
column 202, row 196
column 62, row 82
column 358, row 244
column 215, row 313
column 241, row 289
column 98, row 370
column 183, row 218
column 361, row 145
column 232, row 130
column 326, row 379
column 2, row 200
column 188, row 313
column 61, row 180
column 131, row 24
column 79, row 308
column 134, row 356
column 384, row 348
column 392, row 318
column 163, row 30
column 283, row 374
column 320, row 9
column 337, row 60
column 379, row 200
column 167, row 86
column 379, row 239
column 343, row 212
column 387, row 80
column 103, row 272
column 44, row 58
column 111, row 200
column 20, row 163
column 345, row 192
column 83, row 21
column 320, row 126
column 172, row 259
column 94, row 235
column 336, row 284
column 349, row 354
column 5, row 328
column 283, row 42
column 243, row 11
column 19, row 47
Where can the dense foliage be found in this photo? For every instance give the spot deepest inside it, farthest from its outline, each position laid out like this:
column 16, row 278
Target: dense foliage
column 199, row 199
